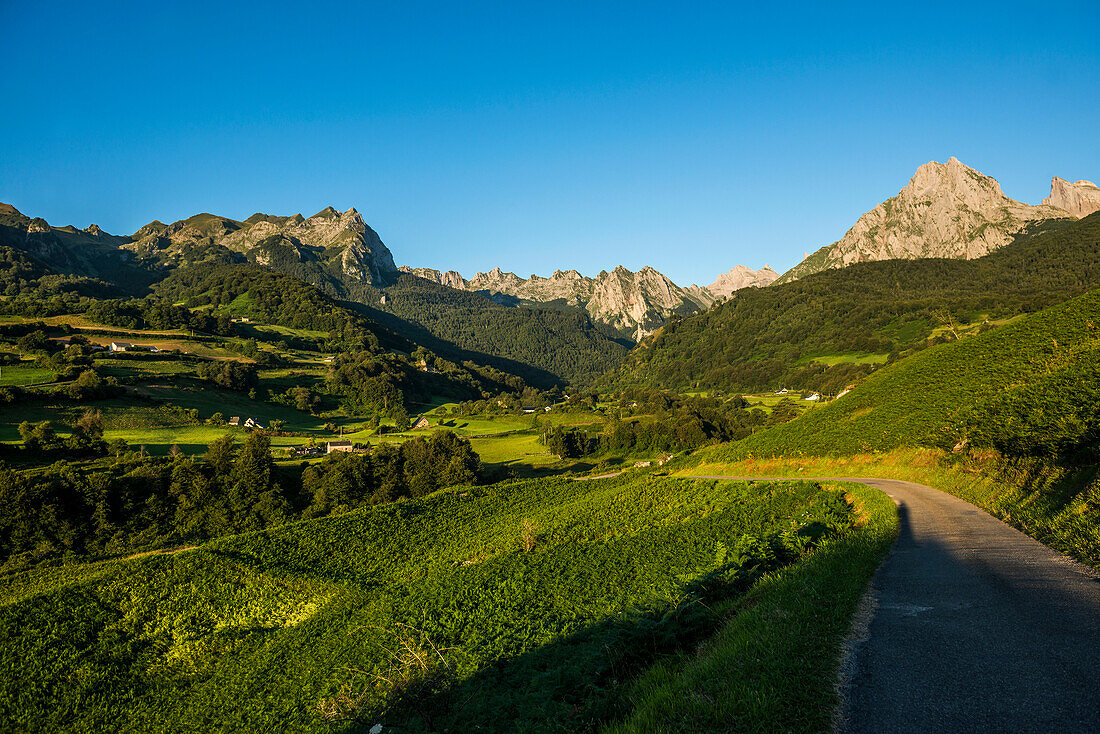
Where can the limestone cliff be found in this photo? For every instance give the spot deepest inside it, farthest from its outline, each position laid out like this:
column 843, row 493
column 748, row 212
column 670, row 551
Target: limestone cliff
column 741, row 277
column 342, row 241
column 947, row 210
column 1080, row 199
column 634, row 302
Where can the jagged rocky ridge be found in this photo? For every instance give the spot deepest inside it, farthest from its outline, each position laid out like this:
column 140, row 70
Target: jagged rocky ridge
column 338, row 243
column 340, row 240
column 339, row 252
column 633, row 302
column 947, row 210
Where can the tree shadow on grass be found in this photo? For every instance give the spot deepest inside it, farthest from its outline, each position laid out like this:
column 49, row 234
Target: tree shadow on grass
column 575, row 683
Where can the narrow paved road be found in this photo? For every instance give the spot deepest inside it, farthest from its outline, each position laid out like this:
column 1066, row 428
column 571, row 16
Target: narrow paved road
column 977, row 628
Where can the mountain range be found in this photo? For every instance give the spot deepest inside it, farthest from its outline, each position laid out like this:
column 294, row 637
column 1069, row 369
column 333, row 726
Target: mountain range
column 947, row 210
column 339, row 252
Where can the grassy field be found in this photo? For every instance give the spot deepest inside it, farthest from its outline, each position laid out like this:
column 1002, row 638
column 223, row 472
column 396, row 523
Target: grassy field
column 25, row 374
column 849, row 358
column 518, row 449
column 534, row 601
column 768, row 401
column 773, row 665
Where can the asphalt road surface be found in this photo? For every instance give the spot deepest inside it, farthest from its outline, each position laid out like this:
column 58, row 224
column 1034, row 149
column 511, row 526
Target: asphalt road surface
column 975, row 627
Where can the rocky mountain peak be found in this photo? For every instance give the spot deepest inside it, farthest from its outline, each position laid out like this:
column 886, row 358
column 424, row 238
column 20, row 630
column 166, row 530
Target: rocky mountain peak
column 327, row 213
column 1080, row 198
column 154, row 227
column 946, row 210
column 740, row 277
column 938, row 180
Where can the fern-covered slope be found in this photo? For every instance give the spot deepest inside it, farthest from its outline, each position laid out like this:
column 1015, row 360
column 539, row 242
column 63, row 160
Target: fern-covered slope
column 250, row 633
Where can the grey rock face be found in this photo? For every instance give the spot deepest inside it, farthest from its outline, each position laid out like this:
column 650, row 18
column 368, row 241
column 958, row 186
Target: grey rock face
column 635, row 302
column 946, row 210
column 342, row 240
column 1079, row 199
column 741, row 277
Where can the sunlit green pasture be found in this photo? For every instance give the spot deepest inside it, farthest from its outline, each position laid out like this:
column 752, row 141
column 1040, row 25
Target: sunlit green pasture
column 537, row 595
column 847, row 358
column 25, row 374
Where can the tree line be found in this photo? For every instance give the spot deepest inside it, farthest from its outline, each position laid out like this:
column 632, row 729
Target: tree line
column 134, row 501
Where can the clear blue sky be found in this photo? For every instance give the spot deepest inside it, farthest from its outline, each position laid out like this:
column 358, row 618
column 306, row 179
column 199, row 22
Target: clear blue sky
column 687, row 136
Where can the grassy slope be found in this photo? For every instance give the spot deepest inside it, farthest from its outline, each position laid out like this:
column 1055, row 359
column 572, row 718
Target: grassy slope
column 773, row 665
column 1025, row 381
column 1060, row 509
column 921, row 399
column 250, row 632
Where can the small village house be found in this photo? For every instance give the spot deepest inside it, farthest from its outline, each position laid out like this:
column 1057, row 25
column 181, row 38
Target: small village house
column 339, row 446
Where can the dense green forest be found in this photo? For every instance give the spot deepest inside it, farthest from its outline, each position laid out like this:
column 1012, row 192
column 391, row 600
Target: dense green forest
column 557, row 346
column 31, row 288
column 69, row 510
column 668, row 423
column 784, row 335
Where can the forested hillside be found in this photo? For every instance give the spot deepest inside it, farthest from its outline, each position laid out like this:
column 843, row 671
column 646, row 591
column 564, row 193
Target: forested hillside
column 826, row 330
column 272, row 297
column 1029, row 389
column 556, row 345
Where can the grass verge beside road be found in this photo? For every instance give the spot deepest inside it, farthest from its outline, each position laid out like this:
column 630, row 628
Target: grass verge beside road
column 774, row 664
column 1057, row 507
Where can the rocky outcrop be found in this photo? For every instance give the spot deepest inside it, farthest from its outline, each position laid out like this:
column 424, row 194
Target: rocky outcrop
column 947, row 210
column 340, row 240
column 451, row 278
column 1079, row 199
column 637, row 303
column 741, row 277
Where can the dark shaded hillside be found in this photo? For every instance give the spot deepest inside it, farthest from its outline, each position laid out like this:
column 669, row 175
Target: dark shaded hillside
column 545, row 346
column 566, row 346
column 89, row 253
column 769, row 337
column 276, row 298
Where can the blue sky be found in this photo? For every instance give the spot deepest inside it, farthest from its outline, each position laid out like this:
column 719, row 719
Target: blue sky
column 687, row 136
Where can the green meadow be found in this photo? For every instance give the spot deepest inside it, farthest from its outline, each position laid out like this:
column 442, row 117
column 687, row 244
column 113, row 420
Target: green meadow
column 528, row 605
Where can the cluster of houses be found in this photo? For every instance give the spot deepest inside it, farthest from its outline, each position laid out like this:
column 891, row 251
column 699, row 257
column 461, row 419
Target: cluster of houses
column 813, row 398
column 346, row 447
column 128, row 347
column 247, row 423
column 331, row 447
column 113, row 346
